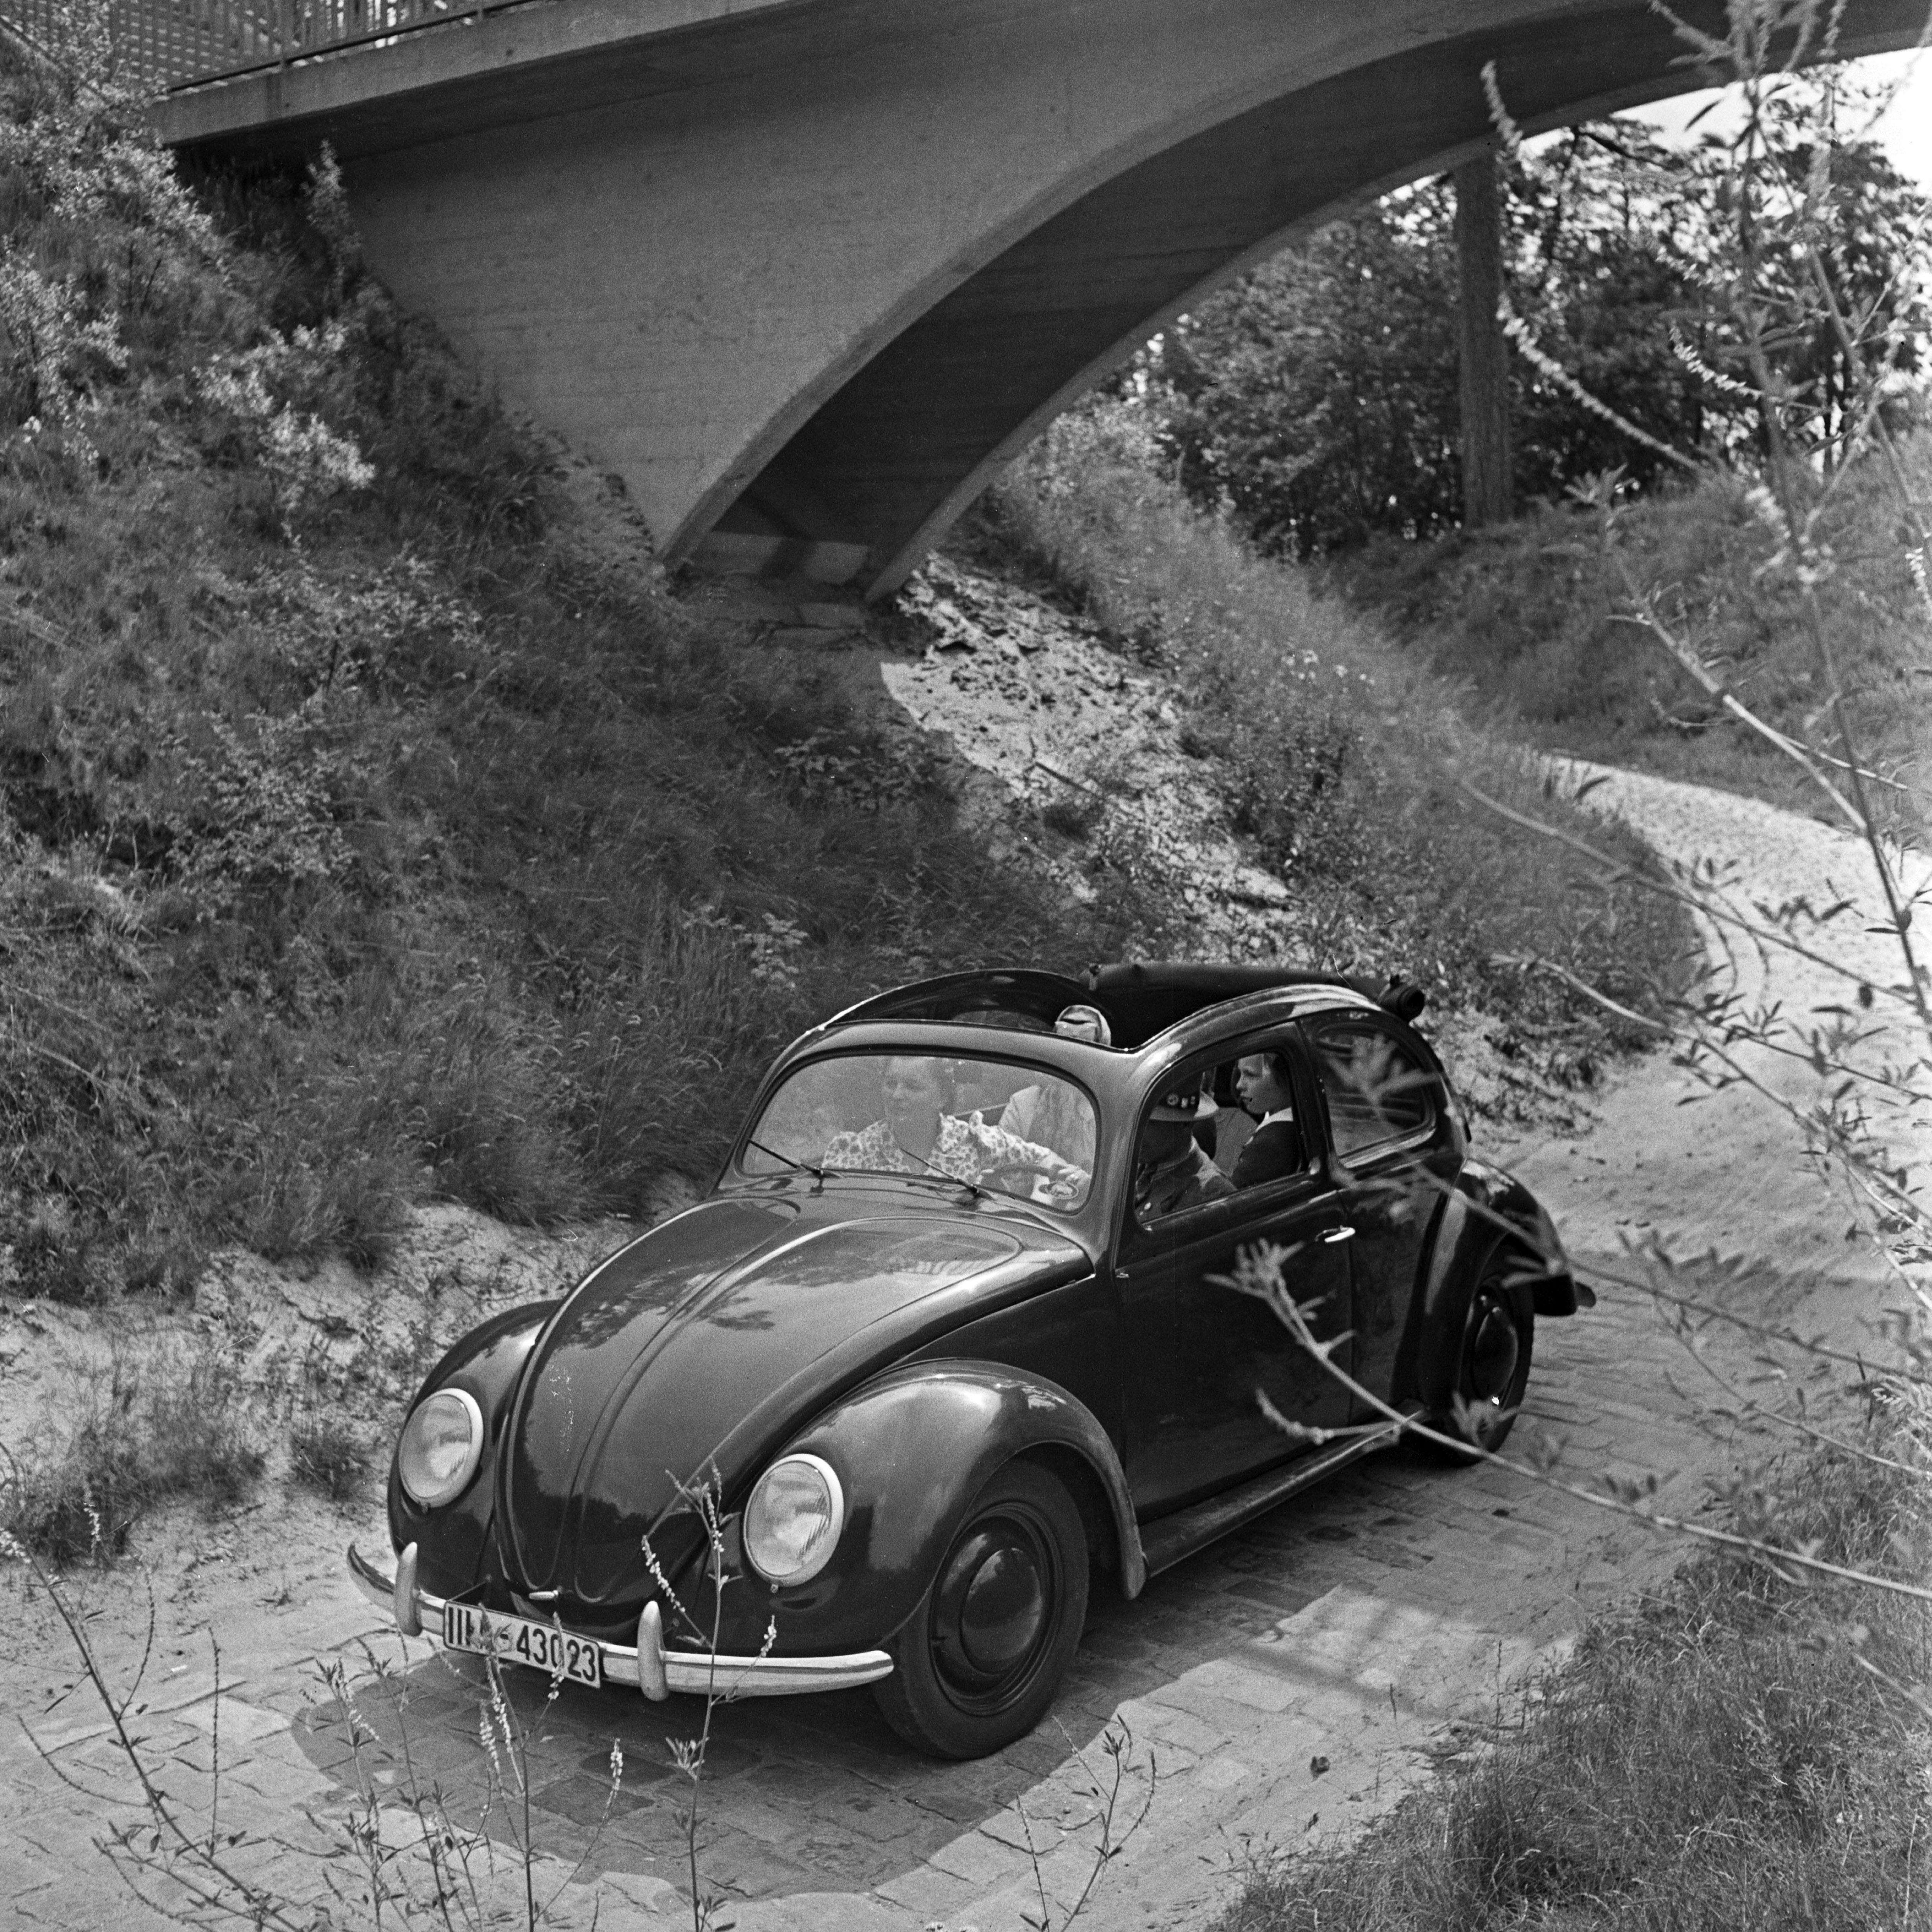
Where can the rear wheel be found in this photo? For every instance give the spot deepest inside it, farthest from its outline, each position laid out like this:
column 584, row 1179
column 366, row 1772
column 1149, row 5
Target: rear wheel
column 1492, row 1362
column 977, row 1663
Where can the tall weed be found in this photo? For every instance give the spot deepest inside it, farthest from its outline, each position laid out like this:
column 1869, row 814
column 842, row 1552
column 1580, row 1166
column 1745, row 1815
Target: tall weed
column 1528, row 617
column 1719, row 1757
column 177, row 1423
column 1346, row 756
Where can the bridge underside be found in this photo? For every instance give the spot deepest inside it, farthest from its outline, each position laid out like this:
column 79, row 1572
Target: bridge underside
column 806, row 274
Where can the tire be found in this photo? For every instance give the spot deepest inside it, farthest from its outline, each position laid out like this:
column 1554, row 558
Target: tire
column 1492, row 1355
column 976, row 1665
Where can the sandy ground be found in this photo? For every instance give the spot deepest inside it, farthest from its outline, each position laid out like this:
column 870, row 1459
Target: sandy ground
column 1290, row 1685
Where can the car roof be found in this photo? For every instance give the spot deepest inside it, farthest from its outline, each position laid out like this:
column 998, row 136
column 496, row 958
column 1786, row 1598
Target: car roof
column 1140, row 998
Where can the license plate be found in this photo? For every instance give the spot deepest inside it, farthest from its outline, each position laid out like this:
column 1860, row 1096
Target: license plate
column 517, row 1640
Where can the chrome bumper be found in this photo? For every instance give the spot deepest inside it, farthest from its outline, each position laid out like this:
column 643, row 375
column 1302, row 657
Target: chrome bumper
column 654, row 1670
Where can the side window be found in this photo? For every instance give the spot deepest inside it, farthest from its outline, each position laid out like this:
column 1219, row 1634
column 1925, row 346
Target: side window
column 1222, row 1128
column 1377, row 1091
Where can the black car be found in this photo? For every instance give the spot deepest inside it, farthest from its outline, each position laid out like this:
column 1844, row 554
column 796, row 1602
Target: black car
column 949, row 1333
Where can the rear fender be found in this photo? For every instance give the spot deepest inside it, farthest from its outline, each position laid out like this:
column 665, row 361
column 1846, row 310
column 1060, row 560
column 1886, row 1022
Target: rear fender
column 487, row 1363
column 912, row 1449
column 1466, row 1235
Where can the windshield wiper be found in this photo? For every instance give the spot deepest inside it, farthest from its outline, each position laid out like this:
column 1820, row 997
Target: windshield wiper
column 935, row 1172
column 796, row 1166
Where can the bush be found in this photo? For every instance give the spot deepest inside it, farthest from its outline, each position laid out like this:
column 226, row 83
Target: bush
column 328, row 1455
column 1716, row 1759
column 1528, row 616
column 178, row 1425
column 1346, row 759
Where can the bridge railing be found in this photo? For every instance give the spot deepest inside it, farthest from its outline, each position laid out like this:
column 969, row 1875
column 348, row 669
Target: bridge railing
column 157, row 45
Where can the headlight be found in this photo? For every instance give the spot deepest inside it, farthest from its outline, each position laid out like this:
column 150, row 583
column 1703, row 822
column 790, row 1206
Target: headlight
column 793, row 1521
column 442, row 1443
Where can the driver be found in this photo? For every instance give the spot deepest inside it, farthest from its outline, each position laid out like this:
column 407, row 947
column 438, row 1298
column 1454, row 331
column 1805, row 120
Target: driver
column 920, row 1134
column 1172, row 1173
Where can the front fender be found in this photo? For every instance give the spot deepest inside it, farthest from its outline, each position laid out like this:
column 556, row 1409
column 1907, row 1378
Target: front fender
column 912, row 1449
column 1466, row 1237
column 486, row 1362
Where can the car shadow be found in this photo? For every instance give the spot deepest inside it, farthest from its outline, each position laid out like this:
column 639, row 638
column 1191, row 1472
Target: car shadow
column 817, row 1793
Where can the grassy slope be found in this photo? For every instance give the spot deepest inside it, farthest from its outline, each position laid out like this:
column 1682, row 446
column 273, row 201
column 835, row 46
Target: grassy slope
column 1528, row 617
column 370, row 834
column 1351, row 758
column 360, row 843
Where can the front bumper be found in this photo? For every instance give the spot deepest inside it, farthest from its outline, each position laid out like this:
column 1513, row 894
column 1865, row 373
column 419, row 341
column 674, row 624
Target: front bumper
column 654, row 1670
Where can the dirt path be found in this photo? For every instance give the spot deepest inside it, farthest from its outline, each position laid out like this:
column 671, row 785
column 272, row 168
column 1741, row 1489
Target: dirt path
column 1288, row 1683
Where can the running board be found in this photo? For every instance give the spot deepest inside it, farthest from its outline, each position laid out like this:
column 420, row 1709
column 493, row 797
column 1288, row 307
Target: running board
column 1169, row 1539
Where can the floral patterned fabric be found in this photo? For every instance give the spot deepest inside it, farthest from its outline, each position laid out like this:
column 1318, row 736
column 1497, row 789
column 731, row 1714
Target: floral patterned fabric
column 967, row 1149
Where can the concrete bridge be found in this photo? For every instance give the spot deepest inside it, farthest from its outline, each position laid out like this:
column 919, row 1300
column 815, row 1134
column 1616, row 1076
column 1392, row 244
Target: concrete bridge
column 805, row 272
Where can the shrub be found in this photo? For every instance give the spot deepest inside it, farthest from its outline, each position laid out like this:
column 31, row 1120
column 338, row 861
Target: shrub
column 178, row 1424
column 328, row 1455
column 1717, row 1756
column 1344, row 757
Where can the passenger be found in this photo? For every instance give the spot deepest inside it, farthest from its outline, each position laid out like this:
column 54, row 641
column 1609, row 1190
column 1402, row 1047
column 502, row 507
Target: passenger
column 1172, row 1173
column 1274, row 1150
column 919, row 1135
column 1054, row 1113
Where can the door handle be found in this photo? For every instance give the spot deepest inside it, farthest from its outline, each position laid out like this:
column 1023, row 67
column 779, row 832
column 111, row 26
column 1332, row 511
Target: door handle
column 1338, row 1234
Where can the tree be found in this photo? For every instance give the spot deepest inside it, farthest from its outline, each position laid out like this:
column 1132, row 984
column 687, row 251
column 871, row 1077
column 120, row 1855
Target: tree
column 1317, row 396
column 1484, row 396
column 1320, row 397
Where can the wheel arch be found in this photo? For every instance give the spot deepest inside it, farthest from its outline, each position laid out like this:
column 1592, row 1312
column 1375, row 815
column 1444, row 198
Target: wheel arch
column 1488, row 1213
column 913, row 1448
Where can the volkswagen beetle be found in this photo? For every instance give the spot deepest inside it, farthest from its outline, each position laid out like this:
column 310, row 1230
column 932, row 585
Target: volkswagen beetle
column 952, row 1333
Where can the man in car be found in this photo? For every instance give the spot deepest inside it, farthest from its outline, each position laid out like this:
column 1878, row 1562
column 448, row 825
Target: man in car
column 1172, row 1173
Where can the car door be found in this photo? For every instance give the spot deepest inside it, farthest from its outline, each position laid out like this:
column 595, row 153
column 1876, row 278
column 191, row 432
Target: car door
column 1201, row 1355
column 1386, row 1111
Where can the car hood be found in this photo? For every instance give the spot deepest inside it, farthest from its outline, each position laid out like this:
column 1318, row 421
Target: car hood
column 709, row 1341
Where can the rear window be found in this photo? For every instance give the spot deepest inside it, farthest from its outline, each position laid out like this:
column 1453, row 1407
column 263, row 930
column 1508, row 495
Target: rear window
column 1376, row 1090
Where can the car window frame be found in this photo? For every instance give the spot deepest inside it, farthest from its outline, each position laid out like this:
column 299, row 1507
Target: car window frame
column 1135, row 1235
column 1436, row 1089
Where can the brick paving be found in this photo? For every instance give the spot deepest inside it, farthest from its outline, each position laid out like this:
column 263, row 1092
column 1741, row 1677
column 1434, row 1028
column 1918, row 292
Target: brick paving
column 1377, row 1623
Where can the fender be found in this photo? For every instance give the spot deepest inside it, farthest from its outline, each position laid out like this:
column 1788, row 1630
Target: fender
column 1466, row 1234
column 912, row 1448
column 487, row 1363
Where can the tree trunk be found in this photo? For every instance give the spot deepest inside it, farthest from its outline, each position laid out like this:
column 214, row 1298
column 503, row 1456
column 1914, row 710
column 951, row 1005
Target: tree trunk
column 1488, row 491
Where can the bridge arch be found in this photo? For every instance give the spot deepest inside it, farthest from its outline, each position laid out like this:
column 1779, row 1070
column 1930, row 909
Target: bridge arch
column 806, row 271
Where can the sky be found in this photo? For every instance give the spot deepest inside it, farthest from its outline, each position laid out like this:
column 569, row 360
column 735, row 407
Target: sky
column 1906, row 131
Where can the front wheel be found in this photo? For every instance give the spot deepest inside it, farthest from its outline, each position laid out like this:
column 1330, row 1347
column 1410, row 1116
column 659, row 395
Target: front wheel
column 977, row 1663
column 1492, row 1363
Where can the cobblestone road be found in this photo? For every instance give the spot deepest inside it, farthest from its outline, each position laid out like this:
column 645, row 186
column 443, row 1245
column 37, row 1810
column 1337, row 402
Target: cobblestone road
column 1376, row 1624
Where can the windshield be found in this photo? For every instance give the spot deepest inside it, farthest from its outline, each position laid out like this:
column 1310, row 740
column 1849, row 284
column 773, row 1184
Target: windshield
column 1012, row 1129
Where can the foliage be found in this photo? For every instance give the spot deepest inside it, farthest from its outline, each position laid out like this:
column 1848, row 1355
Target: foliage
column 1718, row 1756
column 177, row 1424
column 1317, row 396
column 327, row 1454
column 1532, row 619
column 374, row 824
column 1343, row 763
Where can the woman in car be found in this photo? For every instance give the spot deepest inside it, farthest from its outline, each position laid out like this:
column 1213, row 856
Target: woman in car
column 919, row 1134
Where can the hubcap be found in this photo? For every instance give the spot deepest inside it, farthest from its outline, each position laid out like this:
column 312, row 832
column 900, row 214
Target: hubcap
column 991, row 1610
column 1494, row 1348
